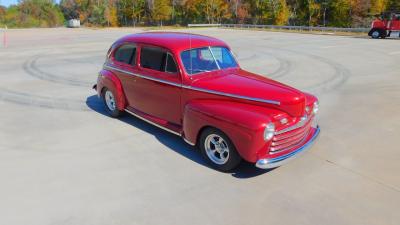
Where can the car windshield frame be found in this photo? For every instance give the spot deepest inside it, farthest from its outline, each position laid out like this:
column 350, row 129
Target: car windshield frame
column 189, row 71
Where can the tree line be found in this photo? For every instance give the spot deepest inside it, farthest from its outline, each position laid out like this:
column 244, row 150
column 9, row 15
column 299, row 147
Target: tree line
column 338, row 13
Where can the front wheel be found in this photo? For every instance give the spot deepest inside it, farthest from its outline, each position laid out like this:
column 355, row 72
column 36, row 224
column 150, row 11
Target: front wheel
column 110, row 102
column 218, row 150
column 375, row 34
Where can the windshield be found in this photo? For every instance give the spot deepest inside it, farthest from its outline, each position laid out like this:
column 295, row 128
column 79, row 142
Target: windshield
column 207, row 59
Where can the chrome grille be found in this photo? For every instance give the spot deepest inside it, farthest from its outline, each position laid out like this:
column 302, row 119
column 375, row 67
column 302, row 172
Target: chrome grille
column 291, row 137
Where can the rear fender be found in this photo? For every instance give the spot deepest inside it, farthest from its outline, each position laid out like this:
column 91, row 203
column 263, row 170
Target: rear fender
column 109, row 80
column 244, row 124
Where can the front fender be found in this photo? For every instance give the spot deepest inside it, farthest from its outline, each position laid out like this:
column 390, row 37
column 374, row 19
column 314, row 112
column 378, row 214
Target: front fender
column 243, row 123
column 109, row 80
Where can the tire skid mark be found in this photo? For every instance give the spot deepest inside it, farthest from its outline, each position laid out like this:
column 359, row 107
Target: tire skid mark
column 339, row 77
column 32, row 69
column 285, row 66
column 25, row 99
column 31, row 100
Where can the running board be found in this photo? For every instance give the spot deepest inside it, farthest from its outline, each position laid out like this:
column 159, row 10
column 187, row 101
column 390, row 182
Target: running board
column 152, row 121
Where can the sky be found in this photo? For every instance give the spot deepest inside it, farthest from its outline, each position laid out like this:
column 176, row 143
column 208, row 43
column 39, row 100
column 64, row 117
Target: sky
column 10, row 2
column 7, row 2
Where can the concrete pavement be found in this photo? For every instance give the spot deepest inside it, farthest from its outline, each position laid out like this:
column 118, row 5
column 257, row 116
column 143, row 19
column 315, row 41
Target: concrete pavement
column 63, row 161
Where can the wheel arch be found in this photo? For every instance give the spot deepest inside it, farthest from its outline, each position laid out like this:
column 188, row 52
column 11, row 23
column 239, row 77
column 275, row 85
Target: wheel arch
column 109, row 80
column 242, row 123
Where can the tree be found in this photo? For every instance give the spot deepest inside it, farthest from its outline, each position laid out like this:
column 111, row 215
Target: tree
column 313, row 12
column 110, row 14
column 161, row 10
column 340, row 13
column 38, row 13
column 378, row 6
column 138, row 7
column 393, row 5
column 3, row 11
column 242, row 12
column 69, row 9
column 324, row 8
column 215, row 10
column 193, row 11
column 359, row 12
column 97, row 15
column 281, row 12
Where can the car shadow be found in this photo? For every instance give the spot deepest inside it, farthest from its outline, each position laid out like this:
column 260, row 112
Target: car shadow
column 173, row 142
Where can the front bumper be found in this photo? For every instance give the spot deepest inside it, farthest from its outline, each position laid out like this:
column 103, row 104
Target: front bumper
column 269, row 163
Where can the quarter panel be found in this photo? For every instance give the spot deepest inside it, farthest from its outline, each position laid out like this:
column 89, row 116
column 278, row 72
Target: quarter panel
column 111, row 81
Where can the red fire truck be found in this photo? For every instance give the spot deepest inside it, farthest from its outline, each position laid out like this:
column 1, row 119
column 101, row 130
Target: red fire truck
column 386, row 25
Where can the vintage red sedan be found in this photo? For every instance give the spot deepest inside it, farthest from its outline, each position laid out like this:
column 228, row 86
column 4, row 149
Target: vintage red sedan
column 192, row 86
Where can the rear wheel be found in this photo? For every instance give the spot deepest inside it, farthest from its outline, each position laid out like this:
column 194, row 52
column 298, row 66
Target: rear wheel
column 383, row 34
column 218, row 150
column 110, row 103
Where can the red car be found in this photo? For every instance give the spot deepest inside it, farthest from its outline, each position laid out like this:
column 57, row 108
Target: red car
column 192, row 86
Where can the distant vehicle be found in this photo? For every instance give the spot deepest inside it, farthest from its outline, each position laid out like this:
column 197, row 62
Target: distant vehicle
column 386, row 25
column 73, row 23
column 193, row 87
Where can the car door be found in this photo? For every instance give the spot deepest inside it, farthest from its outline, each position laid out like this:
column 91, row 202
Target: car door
column 124, row 61
column 157, row 89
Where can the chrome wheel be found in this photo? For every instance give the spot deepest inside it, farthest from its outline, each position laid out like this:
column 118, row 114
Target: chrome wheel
column 217, row 149
column 110, row 100
column 376, row 34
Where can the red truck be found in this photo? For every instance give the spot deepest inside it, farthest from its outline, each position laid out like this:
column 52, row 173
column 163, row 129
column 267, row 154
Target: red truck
column 385, row 25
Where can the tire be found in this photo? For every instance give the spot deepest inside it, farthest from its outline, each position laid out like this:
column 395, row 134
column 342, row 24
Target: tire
column 375, row 34
column 383, row 34
column 218, row 150
column 110, row 103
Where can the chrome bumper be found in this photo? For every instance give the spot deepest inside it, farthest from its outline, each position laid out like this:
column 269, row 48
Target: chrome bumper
column 278, row 161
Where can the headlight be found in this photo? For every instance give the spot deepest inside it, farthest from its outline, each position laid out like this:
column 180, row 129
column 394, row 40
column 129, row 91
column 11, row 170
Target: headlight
column 315, row 107
column 269, row 131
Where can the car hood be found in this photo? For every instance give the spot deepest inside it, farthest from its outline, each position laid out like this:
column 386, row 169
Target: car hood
column 238, row 82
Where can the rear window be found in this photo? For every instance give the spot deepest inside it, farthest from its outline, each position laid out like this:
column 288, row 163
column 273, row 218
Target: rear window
column 157, row 59
column 126, row 54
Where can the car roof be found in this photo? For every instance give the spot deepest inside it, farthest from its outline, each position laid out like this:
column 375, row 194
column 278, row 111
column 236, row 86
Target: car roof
column 174, row 41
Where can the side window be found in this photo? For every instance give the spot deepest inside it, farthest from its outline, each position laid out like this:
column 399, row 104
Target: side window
column 126, row 54
column 171, row 65
column 153, row 58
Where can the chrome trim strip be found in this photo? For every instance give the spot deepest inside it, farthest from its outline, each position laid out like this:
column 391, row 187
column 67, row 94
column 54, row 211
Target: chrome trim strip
column 141, row 76
column 232, row 95
column 195, row 88
column 278, row 161
column 303, row 121
column 152, row 123
column 187, row 141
